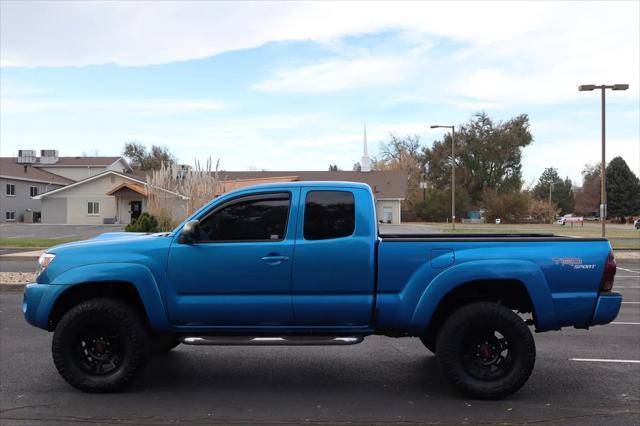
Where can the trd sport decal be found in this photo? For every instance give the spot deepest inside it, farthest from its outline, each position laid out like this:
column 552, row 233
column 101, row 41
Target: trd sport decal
column 572, row 262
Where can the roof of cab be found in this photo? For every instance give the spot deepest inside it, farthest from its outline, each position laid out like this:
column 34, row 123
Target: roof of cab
column 302, row 184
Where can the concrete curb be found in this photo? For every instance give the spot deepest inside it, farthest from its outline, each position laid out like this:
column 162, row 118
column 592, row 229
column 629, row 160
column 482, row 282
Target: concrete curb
column 22, row 255
column 12, row 287
column 24, row 248
column 18, row 258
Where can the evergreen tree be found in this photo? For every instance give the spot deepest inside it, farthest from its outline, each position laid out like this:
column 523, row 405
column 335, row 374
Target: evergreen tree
column 623, row 189
column 561, row 190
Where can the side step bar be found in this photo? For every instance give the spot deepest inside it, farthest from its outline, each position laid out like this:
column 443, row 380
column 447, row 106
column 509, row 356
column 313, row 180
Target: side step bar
column 271, row 341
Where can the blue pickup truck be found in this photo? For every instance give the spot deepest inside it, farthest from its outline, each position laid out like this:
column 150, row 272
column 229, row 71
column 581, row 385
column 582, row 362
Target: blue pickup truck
column 303, row 263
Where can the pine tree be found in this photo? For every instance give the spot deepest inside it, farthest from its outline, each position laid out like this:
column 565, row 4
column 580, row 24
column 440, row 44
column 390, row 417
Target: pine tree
column 623, row 189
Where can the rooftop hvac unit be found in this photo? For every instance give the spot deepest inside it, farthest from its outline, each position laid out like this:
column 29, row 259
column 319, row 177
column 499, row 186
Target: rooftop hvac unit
column 26, row 156
column 48, row 156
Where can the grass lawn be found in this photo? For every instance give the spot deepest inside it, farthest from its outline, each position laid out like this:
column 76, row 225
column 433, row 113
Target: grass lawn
column 34, row 242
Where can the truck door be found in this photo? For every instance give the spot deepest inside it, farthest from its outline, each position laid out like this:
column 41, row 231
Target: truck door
column 239, row 271
column 333, row 271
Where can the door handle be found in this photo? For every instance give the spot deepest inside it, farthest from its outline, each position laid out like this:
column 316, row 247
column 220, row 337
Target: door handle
column 275, row 258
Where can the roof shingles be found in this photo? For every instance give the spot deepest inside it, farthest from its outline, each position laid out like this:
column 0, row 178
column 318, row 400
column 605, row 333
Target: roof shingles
column 384, row 183
column 81, row 162
column 9, row 168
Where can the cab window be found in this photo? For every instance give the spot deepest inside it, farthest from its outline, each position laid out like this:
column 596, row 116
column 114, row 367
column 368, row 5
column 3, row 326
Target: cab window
column 260, row 217
column 329, row 214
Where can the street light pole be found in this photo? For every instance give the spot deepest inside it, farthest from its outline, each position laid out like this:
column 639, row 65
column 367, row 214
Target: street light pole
column 453, row 177
column 603, row 187
column 453, row 172
column 603, row 194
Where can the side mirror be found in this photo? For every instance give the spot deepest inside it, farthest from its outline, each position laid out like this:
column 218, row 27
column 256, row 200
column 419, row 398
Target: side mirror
column 190, row 232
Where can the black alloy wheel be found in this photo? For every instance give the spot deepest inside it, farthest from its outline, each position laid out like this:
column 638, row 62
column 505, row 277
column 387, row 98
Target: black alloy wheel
column 486, row 350
column 100, row 345
column 99, row 348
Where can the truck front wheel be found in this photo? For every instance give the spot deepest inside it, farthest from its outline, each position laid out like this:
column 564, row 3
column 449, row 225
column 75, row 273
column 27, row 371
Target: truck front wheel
column 99, row 345
column 486, row 350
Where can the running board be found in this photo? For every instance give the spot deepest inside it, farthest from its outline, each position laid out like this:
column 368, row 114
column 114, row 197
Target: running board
column 271, row 341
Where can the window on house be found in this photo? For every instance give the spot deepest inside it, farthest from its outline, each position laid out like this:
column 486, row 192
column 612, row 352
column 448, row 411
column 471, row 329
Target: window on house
column 10, row 216
column 33, row 191
column 11, row 189
column 329, row 214
column 254, row 218
column 93, row 207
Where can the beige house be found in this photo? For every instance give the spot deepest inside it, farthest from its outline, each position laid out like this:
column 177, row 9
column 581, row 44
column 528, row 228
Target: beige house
column 108, row 197
column 79, row 168
column 27, row 175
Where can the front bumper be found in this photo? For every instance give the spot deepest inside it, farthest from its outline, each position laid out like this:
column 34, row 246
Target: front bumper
column 607, row 308
column 37, row 302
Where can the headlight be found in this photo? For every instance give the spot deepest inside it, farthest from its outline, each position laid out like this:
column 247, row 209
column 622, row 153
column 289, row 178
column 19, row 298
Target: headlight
column 45, row 259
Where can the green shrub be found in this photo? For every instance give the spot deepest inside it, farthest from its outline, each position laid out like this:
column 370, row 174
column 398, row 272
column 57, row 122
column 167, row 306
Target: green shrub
column 144, row 223
column 437, row 205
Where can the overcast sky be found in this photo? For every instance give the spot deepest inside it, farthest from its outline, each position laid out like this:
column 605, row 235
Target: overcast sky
column 285, row 86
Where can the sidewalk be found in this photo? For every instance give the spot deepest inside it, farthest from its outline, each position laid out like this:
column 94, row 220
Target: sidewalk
column 23, row 255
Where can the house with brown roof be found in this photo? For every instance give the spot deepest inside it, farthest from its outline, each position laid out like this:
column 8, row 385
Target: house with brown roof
column 108, row 191
column 19, row 183
column 79, row 168
column 25, row 177
column 109, row 197
column 389, row 186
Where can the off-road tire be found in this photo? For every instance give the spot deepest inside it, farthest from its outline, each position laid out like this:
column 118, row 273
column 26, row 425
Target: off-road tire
column 468, row 323
column 163, row 343
column 69, row 348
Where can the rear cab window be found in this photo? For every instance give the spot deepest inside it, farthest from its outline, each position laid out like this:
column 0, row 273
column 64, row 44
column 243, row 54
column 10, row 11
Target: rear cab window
column 328, row 215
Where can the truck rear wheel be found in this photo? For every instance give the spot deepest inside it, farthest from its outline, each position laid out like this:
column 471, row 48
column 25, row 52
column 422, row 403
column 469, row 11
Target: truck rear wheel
column 100, row 345
column 486, row 350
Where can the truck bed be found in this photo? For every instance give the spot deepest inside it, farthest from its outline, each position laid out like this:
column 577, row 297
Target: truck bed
column 515, row 237
column 562, row 274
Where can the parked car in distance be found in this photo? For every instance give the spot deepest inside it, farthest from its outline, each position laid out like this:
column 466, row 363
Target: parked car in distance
column 303, row 263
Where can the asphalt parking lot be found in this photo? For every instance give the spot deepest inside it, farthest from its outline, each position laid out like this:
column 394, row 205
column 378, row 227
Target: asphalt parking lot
column 380, row 381
column 38, row 230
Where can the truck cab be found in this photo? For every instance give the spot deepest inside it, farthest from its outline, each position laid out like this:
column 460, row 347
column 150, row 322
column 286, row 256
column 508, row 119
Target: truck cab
column 275, row 258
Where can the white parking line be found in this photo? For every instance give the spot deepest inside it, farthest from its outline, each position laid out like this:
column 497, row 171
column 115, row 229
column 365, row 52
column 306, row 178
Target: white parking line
column 629, row 286
column 629, row 270
column 625, row 361
column 625, row 323
column 631, row 303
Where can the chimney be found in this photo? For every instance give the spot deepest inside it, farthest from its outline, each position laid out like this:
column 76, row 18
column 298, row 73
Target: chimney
column 48, row 156
column 26, row 156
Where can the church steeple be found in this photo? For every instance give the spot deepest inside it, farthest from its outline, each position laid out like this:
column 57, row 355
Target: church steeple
column 365, row 162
